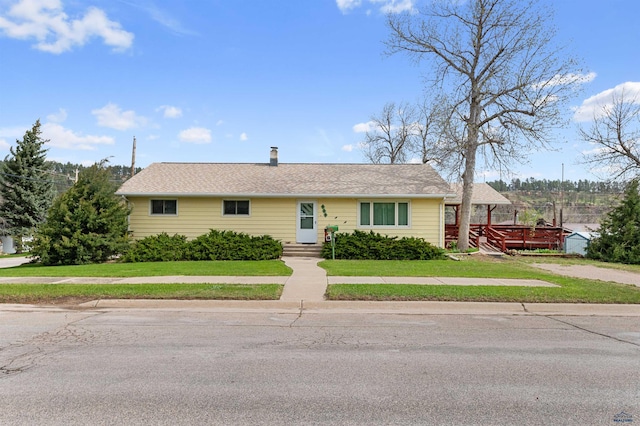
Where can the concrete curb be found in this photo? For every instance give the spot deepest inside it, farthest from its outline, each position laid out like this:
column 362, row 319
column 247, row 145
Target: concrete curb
column 365, row 307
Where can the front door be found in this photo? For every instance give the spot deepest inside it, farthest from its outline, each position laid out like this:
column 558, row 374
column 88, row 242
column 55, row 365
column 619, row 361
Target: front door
column 307, row 231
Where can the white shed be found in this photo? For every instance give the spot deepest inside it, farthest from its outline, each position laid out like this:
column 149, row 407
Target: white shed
column 577, row 242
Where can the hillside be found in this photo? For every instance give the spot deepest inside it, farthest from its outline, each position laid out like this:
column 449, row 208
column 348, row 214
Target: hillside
column 584, row 202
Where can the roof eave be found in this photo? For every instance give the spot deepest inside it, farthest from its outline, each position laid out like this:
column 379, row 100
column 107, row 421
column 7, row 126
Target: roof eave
column 250, row 195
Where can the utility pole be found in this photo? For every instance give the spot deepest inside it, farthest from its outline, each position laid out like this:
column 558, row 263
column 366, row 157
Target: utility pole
column 133, row 158
column 561, row 195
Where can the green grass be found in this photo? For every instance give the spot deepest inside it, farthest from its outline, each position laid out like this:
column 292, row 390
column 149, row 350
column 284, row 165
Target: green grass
column 469, row 267
column 571, row 290
column 151, row 269
column 75, row 293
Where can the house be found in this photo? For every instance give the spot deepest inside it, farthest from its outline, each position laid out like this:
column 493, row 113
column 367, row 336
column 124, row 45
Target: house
column 291, row 202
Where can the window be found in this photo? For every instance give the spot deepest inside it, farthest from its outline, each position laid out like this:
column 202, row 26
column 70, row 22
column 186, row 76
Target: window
column 384, row 214
column 164, row 207
column 235, row 207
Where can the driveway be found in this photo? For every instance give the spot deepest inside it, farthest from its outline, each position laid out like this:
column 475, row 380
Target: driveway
column 592, row 272
column 8, row 262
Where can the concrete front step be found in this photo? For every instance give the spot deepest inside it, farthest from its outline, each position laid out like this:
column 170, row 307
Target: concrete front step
column 302, row 250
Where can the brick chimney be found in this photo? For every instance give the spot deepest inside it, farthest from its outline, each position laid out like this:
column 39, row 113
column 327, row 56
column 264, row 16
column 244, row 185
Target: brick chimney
column 273, row 157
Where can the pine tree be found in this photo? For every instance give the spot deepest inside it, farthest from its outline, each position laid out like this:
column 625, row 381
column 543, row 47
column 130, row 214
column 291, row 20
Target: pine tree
column 86, row 224
column 26, row 185
column 619, row 239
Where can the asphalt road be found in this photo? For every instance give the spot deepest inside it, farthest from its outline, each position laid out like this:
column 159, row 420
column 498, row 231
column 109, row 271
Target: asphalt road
column 134, row 366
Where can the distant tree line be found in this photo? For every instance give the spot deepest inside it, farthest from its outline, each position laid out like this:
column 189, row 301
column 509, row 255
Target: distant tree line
column 546, row 185
column 63, row 175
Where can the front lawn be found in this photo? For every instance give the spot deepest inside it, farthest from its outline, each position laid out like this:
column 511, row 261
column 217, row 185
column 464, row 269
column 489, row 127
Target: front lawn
column 152, row 269
column 571, row 290
column 78, row 293
column 470, row 267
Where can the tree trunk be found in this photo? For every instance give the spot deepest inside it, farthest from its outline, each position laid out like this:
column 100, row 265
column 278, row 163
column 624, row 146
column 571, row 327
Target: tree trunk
column 467, row 193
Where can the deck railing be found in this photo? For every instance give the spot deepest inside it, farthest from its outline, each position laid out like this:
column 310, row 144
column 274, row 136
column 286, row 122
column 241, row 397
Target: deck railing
column 516, row 237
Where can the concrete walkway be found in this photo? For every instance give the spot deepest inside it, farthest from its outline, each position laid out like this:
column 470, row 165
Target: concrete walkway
column 308, row 281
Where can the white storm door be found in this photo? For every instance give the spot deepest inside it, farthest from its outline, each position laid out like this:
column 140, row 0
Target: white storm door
column 307, row 231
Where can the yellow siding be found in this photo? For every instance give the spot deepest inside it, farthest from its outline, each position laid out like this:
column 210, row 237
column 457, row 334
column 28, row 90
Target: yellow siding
column 277, row 217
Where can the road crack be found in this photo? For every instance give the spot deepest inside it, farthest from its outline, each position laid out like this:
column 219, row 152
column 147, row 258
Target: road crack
column 577, row 327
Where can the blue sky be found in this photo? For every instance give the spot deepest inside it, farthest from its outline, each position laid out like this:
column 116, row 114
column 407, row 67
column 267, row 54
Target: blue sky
column 224, row 80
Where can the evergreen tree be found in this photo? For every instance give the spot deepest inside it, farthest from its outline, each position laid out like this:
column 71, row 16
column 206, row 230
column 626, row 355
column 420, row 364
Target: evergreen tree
column 26, row 186
column 619, row 239
column 86, row 224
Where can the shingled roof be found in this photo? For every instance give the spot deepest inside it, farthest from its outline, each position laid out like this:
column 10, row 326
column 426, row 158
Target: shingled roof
column 483, row 194
column 286, row 179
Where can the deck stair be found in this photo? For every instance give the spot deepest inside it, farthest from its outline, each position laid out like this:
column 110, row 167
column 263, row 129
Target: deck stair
column 302, row 250
column 488, row 248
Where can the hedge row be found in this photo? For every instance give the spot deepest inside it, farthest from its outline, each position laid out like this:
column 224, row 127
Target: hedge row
column 216, row 245
column 373, row 246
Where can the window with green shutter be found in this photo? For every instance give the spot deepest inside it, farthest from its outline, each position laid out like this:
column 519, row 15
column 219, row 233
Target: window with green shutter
column 384, row 214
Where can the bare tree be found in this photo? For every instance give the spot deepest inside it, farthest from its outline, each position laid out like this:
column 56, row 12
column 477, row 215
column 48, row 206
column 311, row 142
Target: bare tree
column 428, row 130
column 615, row 133
column 502, row 80
column 391, row 137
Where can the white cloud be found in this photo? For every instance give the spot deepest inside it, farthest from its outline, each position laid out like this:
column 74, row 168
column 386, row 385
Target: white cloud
column 58, row 117
column 60, row 137
column 162, row 17
column 395, row 6
column 385, row 6
column 488, row 175
column 347, row 5
column 596, row 104
column 169, row 111
column 244, row 137
column 350, row 147
column 570, row 78
column 198, row 135
column 364, row 127
column 219, row 123
column 13, row 132
column 113, row 117
column 594, row 151
column 47, row 23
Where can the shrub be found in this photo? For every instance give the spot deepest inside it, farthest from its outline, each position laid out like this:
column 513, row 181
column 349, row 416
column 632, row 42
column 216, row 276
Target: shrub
column 373, row 246
column 157, row 248
column 229, row 245
column 216, row 245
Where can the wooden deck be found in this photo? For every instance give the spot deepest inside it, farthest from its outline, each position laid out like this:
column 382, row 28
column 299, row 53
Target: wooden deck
column 511, row 237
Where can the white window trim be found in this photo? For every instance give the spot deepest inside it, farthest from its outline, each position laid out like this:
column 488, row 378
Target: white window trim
column 235, row 215
column 151, row 213
column 395, row 202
